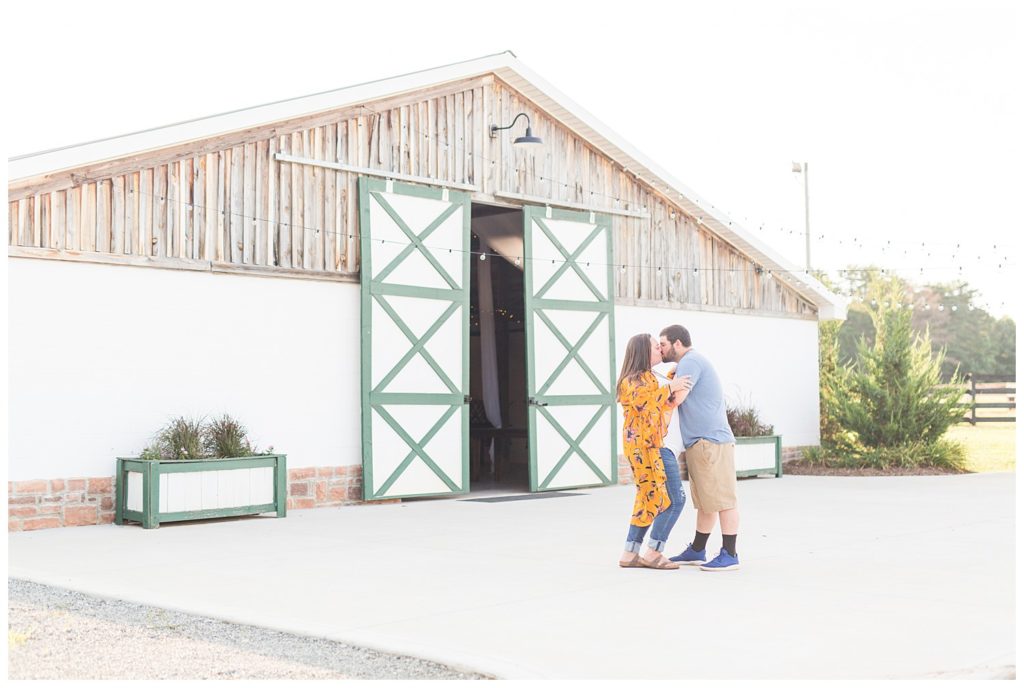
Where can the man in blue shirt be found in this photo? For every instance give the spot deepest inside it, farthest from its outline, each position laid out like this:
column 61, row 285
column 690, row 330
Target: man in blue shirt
column 709, row 450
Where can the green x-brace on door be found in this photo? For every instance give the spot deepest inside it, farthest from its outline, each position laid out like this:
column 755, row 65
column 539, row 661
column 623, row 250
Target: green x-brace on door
column 569, row 301
column 414, row 278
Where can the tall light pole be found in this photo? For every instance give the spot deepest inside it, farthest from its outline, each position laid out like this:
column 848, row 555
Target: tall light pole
column 798, row 168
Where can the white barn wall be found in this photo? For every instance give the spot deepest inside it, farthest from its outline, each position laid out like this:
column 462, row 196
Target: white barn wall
column 96, row 368
column 771, row 362
column 101, row 356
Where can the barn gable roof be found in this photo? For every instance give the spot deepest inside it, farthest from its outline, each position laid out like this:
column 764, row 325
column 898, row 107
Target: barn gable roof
column 504, row 65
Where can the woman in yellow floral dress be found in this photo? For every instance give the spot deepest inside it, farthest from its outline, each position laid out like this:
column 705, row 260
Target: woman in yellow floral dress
column 646, row 406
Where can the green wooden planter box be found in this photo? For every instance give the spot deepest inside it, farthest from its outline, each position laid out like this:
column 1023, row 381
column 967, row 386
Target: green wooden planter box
column 759, row 456
column 155, row 492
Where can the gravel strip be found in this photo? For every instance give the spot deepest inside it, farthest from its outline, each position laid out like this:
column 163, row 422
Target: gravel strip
column 60, row 634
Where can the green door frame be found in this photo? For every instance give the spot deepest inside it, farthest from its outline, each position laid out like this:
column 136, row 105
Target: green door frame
column 538, row 400
column 373, row 290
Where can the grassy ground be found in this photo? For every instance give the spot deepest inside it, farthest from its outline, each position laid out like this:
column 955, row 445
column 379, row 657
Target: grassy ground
column 990, row 447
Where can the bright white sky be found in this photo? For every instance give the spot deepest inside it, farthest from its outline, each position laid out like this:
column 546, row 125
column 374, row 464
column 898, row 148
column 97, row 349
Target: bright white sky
column 909, row 113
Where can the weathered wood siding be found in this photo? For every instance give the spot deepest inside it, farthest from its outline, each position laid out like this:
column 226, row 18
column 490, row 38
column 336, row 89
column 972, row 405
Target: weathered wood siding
column 226, row 201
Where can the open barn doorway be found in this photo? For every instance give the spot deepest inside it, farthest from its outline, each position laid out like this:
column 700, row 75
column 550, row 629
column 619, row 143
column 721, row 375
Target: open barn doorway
column 498, row 439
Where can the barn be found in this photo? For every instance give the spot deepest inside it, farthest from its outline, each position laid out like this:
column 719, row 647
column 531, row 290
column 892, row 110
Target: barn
column 419, row 286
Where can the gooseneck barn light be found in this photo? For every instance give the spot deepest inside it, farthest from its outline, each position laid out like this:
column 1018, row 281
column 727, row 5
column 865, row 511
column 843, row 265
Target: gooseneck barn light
column 528, row 140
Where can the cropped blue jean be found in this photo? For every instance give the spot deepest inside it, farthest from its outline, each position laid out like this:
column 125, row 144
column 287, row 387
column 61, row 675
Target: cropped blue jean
column 664, row 522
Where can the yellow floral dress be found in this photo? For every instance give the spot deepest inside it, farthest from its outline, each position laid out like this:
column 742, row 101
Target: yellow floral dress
column 646, row 415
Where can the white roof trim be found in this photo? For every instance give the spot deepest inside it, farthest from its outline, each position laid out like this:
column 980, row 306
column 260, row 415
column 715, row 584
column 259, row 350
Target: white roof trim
column 508, row 68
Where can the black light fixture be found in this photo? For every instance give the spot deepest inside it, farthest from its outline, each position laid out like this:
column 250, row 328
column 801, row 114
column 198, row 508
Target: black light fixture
column 528, row 140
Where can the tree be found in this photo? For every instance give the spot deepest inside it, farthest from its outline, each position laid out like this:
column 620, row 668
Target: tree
column 971, row 338
column 965, row 333
column 860, row 283
column 856, row 327
column 897, row 395
column 1004, row 344
column 833, row 386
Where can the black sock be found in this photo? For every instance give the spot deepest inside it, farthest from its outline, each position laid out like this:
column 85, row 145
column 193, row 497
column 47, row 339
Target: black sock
column 700, row 541
column 729, row 542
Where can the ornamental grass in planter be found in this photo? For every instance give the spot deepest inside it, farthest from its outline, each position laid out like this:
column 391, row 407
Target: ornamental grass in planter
column 197, row 468
column 758, row 448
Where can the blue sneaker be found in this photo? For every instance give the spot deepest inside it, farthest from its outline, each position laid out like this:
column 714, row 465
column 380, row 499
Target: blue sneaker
column 691, row 556
column 723, row 562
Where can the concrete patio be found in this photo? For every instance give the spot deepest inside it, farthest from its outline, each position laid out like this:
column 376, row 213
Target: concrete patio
column 909, row 577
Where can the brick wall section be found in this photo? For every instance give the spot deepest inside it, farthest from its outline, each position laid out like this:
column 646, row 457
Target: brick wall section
column 327, row 486
column 36, row 504
column 625, row 474
column 793, row 453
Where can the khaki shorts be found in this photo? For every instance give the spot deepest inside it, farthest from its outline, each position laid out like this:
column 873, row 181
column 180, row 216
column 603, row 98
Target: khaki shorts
column 712, row 469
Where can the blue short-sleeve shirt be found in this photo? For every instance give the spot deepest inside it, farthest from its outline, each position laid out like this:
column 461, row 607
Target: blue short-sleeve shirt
column 702, row 414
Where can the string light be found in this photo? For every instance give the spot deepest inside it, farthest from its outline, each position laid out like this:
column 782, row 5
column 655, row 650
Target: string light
column 953, row 308
column 518, row 261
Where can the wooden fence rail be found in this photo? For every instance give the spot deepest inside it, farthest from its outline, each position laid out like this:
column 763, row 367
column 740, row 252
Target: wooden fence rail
column 1008, row 388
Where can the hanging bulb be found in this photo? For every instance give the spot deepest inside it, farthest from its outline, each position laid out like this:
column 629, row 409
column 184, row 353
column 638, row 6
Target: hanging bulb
column 622, row 268
column 483, row 256
column 953, row 308
column 942, row 307
column 695, row 271
column 518, row 260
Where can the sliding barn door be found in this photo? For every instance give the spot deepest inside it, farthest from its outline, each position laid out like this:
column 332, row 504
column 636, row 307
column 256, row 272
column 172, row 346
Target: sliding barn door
column 415, row 339
column 570, row 356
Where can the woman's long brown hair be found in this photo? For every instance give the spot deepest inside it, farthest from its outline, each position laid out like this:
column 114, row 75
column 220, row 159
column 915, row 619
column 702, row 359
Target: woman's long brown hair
column 636, row 361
